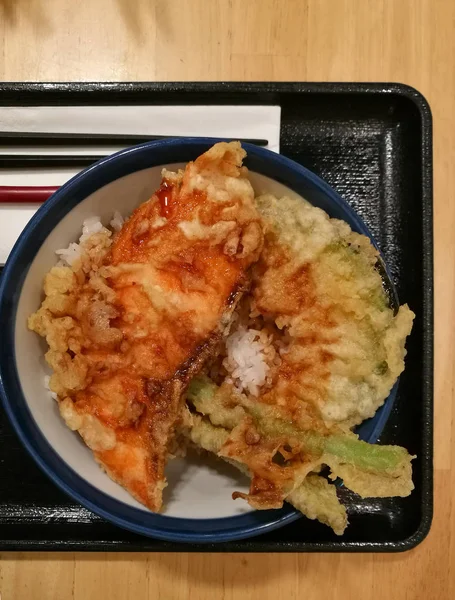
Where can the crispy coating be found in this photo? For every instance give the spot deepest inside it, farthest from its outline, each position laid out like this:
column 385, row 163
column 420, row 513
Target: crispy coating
column 136, row 317
column 271, row 482
column 314, row 496
column 280, row 457
column 317, row 279
column 374, row 485
column 275, row 462
column 317, row 499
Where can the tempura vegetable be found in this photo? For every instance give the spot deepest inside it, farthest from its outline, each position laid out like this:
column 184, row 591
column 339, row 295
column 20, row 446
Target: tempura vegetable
column 259, row 432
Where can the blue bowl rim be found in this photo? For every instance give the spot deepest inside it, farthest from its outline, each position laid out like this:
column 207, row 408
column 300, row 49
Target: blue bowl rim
column 162, row 526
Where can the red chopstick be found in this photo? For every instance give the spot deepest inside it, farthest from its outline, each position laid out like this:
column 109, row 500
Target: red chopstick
column 21, row 194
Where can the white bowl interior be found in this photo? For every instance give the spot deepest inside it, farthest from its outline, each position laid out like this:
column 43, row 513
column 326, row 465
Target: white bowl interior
column 198, row 487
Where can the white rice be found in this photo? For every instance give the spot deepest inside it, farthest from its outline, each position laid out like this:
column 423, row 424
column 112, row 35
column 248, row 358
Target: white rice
column 247, row 360
column 69, row 255
column 47, row 378
column 91, row 226
column 117, row 221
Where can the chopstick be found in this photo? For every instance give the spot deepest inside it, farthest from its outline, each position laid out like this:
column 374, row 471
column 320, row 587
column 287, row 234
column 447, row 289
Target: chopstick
column 25, row 194
column 47, row 160
column 38, row 194
column 46, row 138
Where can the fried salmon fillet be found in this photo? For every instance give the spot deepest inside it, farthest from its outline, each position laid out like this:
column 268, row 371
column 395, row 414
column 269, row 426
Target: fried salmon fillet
column 137, row 316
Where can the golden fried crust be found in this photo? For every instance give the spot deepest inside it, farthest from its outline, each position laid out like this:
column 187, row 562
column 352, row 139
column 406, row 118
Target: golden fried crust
column 314, row 496
column 344, row 349
column 271, row 481
column 317, row 279
column 134, row 321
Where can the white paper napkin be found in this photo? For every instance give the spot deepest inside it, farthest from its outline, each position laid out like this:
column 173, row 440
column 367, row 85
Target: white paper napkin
column 260, row 122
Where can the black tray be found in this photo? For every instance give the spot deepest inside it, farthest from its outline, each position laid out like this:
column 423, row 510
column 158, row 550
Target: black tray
column 373, row 144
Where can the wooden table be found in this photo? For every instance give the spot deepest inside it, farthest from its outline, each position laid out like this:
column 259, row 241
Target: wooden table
column 410, row 41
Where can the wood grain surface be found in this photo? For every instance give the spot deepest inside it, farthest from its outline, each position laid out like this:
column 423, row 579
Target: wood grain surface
column 410, row 41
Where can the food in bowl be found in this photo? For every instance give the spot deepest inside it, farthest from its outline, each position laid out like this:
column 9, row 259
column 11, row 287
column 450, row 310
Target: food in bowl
column 185, row 328
column 138, row 314
column 314, row 349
